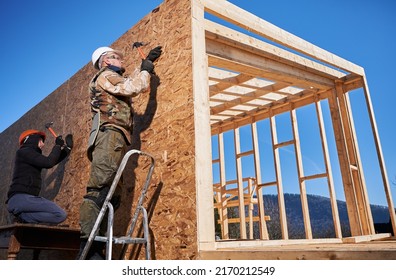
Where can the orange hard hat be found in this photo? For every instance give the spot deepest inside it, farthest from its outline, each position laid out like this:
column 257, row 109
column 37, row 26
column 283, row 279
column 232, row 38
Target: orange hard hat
column 28, row 132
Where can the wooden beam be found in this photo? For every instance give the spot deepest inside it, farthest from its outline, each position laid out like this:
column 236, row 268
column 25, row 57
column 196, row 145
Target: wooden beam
column 344, row 163
column 264, row 113
column 251, row 23
column 380, row 156
column 227, row 82
column 365, row 238
column 314, row 176
column 241, row 61
column 240, row 40
column 254, row 219
column 203, row 170
column 364, row 207
column 243, row 99
column 352, row 82
column 304, row 251
column 358, row 206
column 282, row 244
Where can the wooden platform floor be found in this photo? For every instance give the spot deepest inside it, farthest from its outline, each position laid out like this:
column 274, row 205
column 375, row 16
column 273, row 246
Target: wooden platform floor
column 18, row 236
column 368, row 250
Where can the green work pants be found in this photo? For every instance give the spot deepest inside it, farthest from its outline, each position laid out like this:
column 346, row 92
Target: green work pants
column 109, row 149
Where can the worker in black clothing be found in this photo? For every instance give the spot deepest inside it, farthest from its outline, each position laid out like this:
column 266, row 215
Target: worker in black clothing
column 23, row 200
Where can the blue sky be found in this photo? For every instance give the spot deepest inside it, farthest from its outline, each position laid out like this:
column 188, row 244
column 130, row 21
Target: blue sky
column 44, row 44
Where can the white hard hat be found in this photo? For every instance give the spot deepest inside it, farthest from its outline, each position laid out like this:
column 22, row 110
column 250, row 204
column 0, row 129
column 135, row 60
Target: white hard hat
column 101, row 51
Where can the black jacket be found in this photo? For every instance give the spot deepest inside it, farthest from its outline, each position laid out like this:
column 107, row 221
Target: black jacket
column 29, row 162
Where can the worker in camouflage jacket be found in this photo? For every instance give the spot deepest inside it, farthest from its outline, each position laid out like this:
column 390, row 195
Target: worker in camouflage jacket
column 111, row 104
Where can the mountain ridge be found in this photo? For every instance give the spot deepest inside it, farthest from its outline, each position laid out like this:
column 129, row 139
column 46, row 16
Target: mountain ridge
column 320, row 216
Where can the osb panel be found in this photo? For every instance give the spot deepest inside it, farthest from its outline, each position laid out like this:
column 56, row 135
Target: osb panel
column 163, row 128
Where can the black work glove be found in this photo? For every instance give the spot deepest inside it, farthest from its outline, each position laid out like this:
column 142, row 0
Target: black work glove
column 147, row 65
column 69, row 141
column 154, row 53
column 59, row 141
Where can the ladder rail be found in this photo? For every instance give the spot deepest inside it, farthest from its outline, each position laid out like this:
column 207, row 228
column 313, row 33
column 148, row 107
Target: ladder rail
column 141, row 198
column 109, row 239
column 106, row 204
column 146, row 233
column 139, row 208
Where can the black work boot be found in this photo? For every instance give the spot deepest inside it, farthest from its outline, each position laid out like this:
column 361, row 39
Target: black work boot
column 94, row 253
column 83, row 242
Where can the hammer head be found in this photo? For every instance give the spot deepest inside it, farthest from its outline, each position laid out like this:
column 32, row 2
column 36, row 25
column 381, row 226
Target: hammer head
column 48, row 125
column 137, row 44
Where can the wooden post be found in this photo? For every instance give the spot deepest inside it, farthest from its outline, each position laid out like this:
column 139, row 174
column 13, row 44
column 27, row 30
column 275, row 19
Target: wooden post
column 223, row 211
column 203, row 170
column 359, row 212
column 381, row 161
column 279, row 184
column 301, row 181
column 13, row 248
column 242, row 215
column 329, row 172
column 260, row 199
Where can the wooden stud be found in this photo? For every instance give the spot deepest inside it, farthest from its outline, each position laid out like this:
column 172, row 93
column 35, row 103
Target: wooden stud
column 257, row 166
column 329, row 173
column 281, row 199
column 300, row 172
column 252, row 23
column 223, row 212
column 242, row 215
column 203, row 171
column 380, row 156
column 231, row 37
column 357, row 172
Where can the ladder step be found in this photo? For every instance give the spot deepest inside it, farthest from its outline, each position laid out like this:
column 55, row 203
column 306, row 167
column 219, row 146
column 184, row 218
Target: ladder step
column 129, row 240
column 122, row 240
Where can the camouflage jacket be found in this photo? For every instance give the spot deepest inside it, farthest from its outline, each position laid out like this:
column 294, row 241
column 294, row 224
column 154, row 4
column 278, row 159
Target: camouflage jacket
column 111, row 96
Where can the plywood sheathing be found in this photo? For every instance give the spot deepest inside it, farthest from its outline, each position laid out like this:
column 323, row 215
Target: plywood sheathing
column 172, row 122
column 63, row 183
column 164, row 127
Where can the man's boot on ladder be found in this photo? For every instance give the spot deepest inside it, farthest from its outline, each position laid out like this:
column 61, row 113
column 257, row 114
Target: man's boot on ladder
column 96, row 251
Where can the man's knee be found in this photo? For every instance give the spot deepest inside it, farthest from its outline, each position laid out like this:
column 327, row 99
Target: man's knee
column 60, row 216
column 97, row 195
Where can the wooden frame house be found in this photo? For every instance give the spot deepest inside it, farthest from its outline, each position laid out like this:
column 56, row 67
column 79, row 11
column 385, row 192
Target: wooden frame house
column 234, row 93
column 258, row 74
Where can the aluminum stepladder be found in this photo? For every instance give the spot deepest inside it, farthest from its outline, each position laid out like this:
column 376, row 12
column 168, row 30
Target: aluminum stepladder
column 107, row 206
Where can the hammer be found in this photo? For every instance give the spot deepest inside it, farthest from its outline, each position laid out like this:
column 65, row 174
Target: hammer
column 139, row 45
column 48, row 126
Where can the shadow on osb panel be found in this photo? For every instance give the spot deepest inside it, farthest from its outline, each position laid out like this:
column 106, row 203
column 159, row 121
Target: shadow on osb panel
column 53, row 183
column 129, row 193
column 136, row 250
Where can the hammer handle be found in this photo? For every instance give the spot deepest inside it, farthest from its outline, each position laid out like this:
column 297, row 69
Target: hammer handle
column 52, row 132
column 141, row 53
